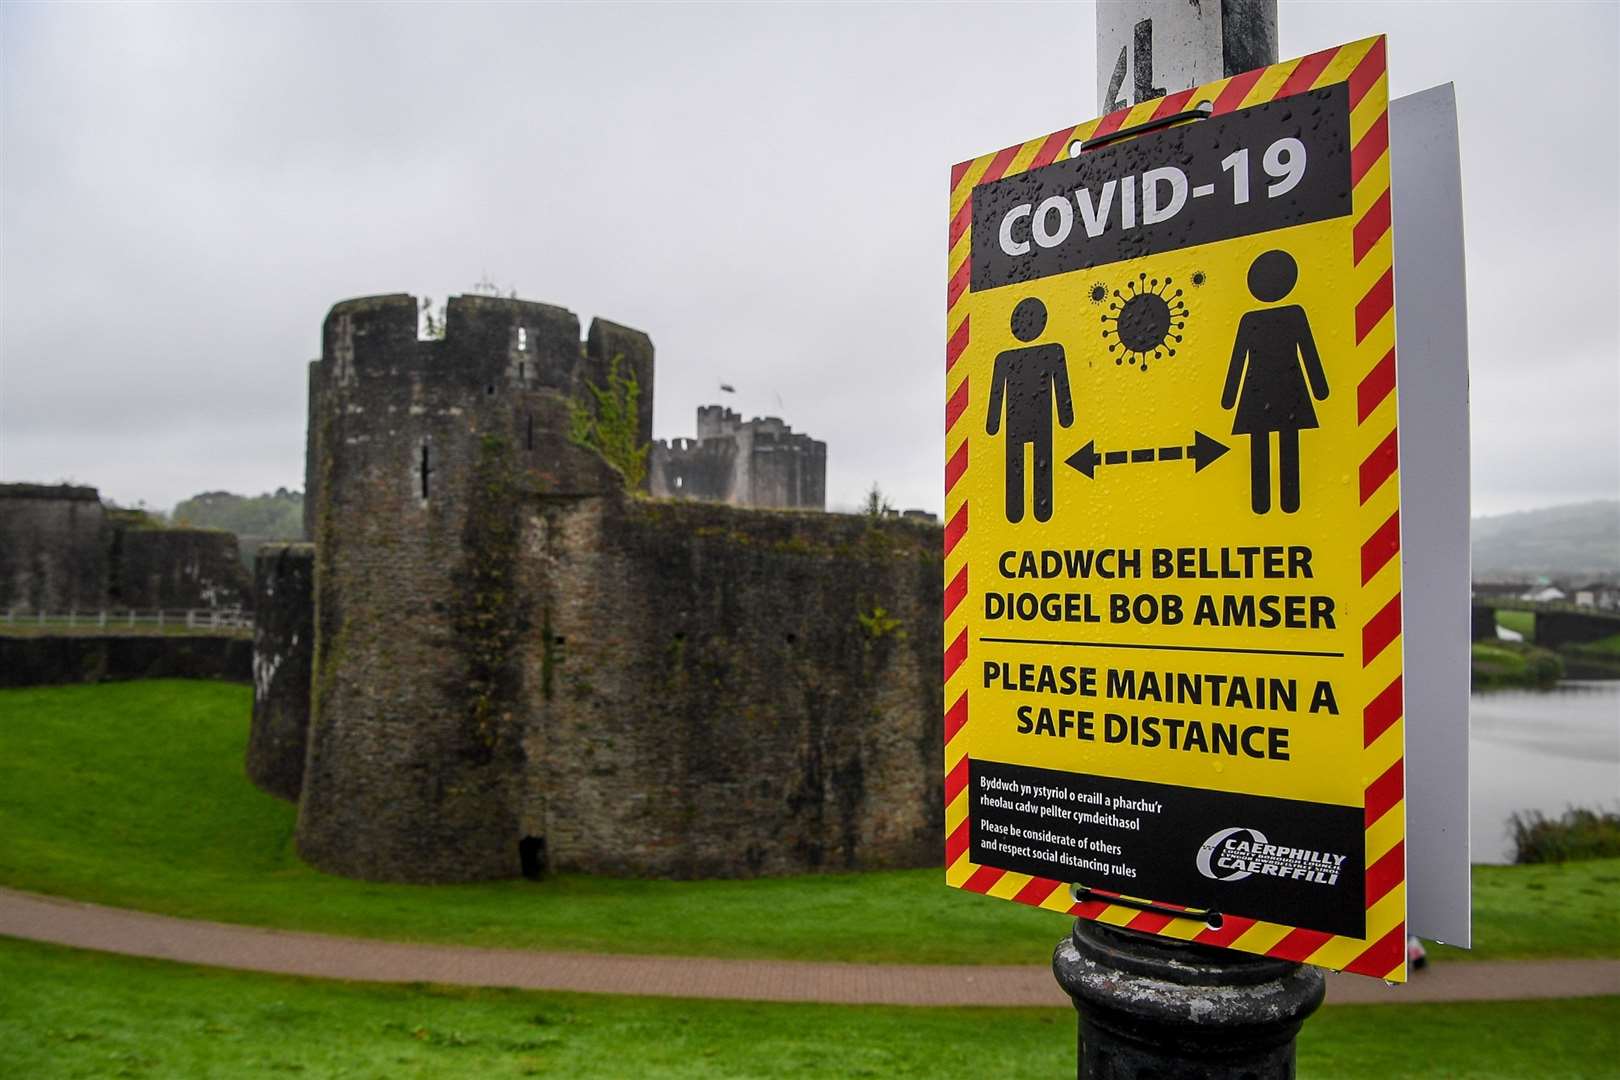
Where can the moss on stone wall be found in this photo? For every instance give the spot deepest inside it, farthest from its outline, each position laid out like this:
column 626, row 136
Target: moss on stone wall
column 329, row 643
column 487, row 615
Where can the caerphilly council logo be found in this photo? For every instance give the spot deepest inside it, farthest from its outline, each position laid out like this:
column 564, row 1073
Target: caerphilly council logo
column 1238, row 852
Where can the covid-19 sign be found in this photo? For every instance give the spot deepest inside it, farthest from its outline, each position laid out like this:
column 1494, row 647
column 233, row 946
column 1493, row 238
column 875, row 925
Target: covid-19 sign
column 1172, row 584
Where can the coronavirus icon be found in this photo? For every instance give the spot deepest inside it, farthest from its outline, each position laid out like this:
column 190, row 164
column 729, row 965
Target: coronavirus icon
column 1144, row 320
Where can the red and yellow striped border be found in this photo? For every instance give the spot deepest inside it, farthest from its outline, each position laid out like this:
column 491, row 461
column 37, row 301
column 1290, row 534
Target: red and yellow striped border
column 1382, row 953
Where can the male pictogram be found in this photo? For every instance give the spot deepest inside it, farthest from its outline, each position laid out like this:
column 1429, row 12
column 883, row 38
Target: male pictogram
column 1027, row 380
column 1273, row 357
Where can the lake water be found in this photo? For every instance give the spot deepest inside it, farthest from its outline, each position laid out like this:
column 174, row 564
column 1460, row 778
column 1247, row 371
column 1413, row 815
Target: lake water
column 1543, row 750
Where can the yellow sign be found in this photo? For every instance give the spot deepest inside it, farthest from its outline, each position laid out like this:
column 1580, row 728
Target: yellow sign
column 1173, row 656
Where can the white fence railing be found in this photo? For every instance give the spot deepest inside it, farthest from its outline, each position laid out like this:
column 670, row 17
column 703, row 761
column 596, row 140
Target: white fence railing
column 113, row 619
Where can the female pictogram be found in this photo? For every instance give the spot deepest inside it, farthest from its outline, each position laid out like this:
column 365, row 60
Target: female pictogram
column 1144, row 320
column 1273, row 359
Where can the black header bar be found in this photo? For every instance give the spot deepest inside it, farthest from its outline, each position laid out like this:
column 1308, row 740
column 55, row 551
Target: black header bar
column 1275, row 165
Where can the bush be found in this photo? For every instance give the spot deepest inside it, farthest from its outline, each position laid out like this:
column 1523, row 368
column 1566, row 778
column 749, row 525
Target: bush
column 1579, row 834
column 1510, row 663
column 1544, row 668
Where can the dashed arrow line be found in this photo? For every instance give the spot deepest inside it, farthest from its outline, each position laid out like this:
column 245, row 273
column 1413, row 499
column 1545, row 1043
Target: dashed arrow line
column 1202, row 451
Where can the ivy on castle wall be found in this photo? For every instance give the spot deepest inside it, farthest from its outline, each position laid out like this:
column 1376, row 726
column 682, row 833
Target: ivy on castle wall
column 607, row 421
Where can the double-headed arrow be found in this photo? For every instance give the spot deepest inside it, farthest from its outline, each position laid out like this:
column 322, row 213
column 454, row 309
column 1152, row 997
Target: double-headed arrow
column 1202, row 451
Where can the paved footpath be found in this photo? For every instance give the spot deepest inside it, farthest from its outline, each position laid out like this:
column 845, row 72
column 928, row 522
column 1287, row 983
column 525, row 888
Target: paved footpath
column 283, row 952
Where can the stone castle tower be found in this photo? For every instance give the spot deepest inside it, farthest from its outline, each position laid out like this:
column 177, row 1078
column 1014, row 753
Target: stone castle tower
column 418, row 454
column 760, row 462
column 510, row 663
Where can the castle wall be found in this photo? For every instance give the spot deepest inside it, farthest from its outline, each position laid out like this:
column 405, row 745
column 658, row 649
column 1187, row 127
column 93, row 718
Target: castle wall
column 742, row 477
column 62, row 550
column 689, row 469
column 736, row 693
column 49, row 659
column 283, row 650
column 53, row 542
column 789, row 471
column 696, row 691
column 177, row 568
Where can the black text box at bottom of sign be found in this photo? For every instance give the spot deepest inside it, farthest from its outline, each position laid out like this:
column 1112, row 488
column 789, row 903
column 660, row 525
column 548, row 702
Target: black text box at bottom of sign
column 1165, row 851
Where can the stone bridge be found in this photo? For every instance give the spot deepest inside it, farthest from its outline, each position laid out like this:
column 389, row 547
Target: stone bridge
column 1557, row 624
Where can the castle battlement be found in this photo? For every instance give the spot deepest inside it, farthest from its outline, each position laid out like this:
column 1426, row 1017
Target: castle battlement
column 715, row 446
column 792, row 440
column 416, row 404
column 486, row 339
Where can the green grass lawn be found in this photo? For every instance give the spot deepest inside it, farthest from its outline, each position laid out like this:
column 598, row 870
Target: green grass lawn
column 1524, row 622
column 133, row 794
column 1551, row 909
column 65, row 1013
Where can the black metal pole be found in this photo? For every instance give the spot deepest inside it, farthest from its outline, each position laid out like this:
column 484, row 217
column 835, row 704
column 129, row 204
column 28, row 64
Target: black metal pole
column 1248, row 35
column 1155, row 1007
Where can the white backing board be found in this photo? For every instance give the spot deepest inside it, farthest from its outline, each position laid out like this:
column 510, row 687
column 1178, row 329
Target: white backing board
column 1431, row 359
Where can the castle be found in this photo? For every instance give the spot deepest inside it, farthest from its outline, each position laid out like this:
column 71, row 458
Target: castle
column 493, row 659
column 760, row 462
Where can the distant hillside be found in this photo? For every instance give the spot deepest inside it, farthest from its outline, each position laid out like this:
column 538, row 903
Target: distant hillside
column 1562, row 542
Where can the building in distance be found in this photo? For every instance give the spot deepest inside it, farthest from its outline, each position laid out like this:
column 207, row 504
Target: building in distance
column 760, row 463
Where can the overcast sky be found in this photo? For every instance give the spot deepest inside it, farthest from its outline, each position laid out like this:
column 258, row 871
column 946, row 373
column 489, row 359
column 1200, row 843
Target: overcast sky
column 186, row 190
